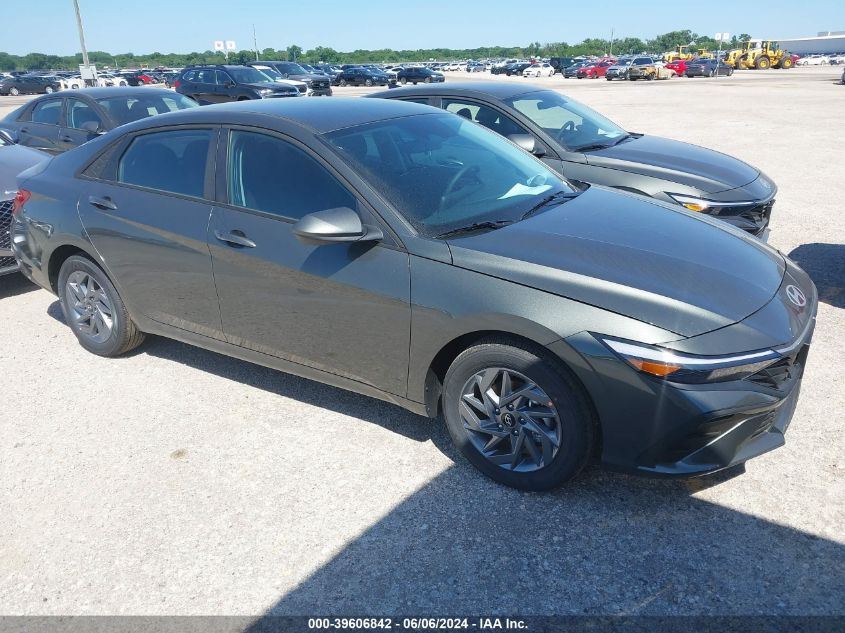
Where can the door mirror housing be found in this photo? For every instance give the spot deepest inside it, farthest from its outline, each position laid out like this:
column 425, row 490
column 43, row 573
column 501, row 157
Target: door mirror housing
column 340, row 224
column 92, row 127
column 9, row 136
column 528, row 143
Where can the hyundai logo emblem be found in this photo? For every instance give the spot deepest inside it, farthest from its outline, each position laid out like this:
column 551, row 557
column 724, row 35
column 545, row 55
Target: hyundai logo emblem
column 796, row 296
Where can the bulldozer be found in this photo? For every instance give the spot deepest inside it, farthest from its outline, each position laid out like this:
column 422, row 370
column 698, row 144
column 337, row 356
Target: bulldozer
column 759, row 54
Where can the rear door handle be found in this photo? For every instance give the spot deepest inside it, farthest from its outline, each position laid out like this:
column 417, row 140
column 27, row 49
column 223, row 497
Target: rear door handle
column 235, row 238
column 67, row 139
column 102, row 203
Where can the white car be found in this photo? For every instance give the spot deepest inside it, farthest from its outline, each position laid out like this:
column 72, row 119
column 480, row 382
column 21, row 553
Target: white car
column 107, row 79
column 837, row 59
column 814, row 60
column 72, row 83
column 539, row 70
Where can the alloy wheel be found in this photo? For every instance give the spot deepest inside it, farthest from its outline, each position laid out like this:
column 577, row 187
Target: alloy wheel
column 510, row 420
column 89, row 307
column 14, row 92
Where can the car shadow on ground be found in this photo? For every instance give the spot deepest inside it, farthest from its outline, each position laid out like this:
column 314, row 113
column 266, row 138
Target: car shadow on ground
column 825, row 263
column 15, row 284
column 604, row 545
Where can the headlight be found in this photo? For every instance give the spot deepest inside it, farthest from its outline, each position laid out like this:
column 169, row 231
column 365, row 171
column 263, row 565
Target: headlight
column 265, row 91
column 678, row 367
column 703, row 205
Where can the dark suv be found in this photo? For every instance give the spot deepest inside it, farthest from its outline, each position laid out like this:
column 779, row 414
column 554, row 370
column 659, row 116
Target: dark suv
column 28, row 84
column 221, row 83
column 318, row 84
column 416, row 74
column 360, row 76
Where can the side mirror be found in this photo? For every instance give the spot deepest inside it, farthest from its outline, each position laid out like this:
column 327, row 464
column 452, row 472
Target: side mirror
column 528, row 143
column 92, row 127
column 9, row 136
column 340, row 224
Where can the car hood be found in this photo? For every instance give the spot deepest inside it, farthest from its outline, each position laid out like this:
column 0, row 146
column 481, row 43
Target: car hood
column 687, row 164
column 654, row 262
column 13, row 160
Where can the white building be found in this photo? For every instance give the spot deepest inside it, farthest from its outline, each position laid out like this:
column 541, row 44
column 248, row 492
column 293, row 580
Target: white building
column 826, row 43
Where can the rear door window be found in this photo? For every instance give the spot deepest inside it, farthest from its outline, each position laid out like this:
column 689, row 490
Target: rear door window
column 47, row 112
column 172, row 161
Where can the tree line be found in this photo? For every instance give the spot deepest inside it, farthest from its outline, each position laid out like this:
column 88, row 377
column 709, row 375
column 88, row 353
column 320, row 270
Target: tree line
column 590, row 46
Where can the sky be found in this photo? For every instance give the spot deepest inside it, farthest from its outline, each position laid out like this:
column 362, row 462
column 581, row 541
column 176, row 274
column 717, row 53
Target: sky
column 181, row 26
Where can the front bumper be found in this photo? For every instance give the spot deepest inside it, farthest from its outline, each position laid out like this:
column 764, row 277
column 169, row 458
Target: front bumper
column 7, row 259
column 656, row 427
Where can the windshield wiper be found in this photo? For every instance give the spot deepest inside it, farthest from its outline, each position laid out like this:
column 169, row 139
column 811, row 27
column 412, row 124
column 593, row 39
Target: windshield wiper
column 555, row 197
column 624, row 137
column 477, row 226
column 591, row 147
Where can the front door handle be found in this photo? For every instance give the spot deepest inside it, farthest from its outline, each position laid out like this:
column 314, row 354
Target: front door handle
column 67, row 139
column 235, row 238
column 105, row 203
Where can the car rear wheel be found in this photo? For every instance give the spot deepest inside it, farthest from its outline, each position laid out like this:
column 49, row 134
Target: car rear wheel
column 14, row 91
column 368, row 82
column 342, row 83
column 517, row 415
column 427, row 80
column 94, row 310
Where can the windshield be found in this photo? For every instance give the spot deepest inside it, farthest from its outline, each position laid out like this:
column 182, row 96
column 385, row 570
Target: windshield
column 248, row 75
column 272, row 74
column 442, row 172
column 572, row 123
column 127, row 109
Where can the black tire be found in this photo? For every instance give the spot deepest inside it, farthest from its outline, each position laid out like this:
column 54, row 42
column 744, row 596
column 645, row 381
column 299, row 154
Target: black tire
column 368, row 83
column 124, row 335
column 577, row 422
column 763, row 63
column 427, row 80
column 342, row 83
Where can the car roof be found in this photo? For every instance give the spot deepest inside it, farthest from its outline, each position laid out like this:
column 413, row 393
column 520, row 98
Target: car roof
column 496, row 89
column 112, row 91
column 321, row 115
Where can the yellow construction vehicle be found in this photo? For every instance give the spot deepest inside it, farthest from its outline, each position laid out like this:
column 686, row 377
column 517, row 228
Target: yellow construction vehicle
column 703, row 53
column 680, row 52
column 759, row 54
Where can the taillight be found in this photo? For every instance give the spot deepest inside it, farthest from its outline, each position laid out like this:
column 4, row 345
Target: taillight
column 21, row 199
column 177, row 83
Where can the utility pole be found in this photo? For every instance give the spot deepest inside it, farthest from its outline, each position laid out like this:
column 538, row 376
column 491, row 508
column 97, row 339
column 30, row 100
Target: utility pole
column 611, row 43
column 255, row 42
column 81, row 32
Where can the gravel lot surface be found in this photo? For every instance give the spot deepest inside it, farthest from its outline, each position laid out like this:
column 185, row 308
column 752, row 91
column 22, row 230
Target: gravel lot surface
column 177, row 481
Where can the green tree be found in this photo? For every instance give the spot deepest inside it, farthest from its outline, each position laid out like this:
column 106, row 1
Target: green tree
column 294, row 52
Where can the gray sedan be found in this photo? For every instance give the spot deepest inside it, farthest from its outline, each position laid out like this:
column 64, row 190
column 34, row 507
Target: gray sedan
column 583, row 145
column 411, row 255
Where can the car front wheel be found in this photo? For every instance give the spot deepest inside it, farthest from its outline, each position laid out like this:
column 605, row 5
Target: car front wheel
column 14, row 91
column 518, row 415
column 94, row 310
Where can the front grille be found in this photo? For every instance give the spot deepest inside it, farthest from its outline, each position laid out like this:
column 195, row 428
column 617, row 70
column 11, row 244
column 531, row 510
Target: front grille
column 5, row 226
column 777, row 374
column 319, row 85
column 7, row 262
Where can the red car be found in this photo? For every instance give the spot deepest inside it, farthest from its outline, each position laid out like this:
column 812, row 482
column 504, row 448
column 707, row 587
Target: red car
column 595, row 71
column 679, row 66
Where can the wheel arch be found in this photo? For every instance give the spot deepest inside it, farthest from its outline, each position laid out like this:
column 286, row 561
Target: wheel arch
column 59, row 256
